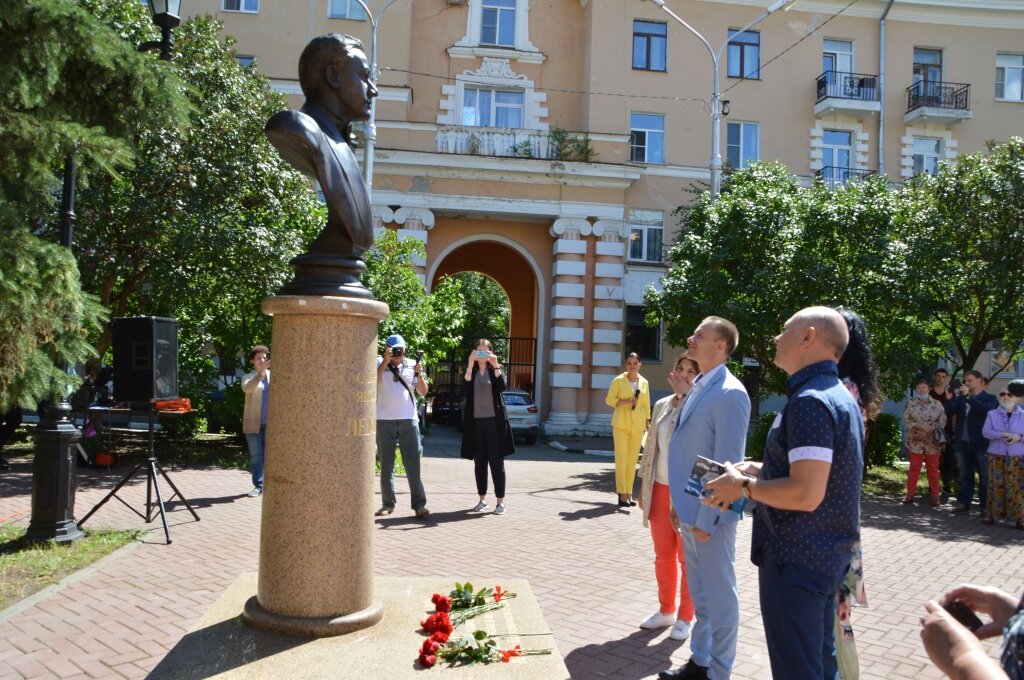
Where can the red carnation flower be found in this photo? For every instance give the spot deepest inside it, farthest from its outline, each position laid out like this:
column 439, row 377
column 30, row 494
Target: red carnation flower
column 507, row 654
column 427, row 660
column 439, row 636
column 442, row 603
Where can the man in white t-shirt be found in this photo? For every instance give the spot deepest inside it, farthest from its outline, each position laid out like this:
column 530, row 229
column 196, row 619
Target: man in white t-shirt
column 397, row 423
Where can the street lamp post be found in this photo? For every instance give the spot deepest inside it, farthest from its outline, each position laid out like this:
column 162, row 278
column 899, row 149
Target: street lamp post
column 54, row 476
column 371, row 127
column 716, row 95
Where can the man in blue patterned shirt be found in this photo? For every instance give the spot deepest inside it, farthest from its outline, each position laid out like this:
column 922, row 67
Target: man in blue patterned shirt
column 808, row 497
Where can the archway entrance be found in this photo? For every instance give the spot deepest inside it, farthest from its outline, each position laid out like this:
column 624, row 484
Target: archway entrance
column 513, row 273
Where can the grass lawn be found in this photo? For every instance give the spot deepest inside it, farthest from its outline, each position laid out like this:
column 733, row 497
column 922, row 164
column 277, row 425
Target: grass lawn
column 26, row 568
column 889, row 482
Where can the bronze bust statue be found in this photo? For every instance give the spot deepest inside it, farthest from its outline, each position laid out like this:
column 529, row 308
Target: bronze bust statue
column 317, row 140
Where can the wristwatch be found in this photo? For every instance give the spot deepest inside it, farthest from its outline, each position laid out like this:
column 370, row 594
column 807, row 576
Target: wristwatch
column 745, row 489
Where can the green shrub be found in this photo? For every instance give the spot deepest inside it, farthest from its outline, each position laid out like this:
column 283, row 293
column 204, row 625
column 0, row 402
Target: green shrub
column 758, row 434
column 884, row 440
column 229, row 412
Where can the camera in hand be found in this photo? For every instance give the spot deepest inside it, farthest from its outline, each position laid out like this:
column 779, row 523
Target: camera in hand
column 962, row 613
column 482, row 354
column 397, row 351
column 419, row 356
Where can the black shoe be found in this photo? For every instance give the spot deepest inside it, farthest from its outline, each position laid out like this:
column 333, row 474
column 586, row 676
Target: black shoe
column 632, row 503
column 690, row 671
column 623, row 504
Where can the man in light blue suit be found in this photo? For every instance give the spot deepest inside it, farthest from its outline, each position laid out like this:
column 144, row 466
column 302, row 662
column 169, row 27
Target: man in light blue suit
column 712, row 423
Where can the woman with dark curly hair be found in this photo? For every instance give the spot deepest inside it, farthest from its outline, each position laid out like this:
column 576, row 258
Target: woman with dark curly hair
column 859, row 372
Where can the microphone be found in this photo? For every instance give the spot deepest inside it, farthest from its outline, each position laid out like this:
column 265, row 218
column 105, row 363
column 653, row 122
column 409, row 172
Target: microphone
column 636, row 395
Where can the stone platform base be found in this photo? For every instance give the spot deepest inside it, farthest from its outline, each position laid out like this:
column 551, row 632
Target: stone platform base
column 222, row 645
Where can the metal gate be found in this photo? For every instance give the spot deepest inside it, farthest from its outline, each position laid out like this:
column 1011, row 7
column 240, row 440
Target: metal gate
column 517, row 357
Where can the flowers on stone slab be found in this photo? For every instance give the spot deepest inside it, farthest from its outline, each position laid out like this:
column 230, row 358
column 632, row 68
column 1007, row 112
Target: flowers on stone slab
column 482, row 647
column 438, row 622
column 463, row 597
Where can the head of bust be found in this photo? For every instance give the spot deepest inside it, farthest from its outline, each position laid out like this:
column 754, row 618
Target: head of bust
column 334, row 73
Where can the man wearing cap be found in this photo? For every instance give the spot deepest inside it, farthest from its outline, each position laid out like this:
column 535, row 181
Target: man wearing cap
column 398, row 380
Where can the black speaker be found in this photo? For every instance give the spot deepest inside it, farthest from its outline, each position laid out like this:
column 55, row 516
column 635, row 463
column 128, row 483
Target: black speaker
column 145, row 359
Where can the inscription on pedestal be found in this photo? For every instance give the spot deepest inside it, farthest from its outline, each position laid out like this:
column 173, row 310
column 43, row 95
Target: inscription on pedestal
column 361, row 427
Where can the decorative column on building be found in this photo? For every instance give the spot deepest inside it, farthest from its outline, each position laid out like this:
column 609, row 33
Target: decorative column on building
column 413, row 222
column 567, row 317
column 607, row 336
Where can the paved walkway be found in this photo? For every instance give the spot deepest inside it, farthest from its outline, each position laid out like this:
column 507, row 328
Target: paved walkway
column 590, row 565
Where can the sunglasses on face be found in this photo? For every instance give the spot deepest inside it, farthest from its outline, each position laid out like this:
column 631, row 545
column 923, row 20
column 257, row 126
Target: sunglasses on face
column 1005, row 394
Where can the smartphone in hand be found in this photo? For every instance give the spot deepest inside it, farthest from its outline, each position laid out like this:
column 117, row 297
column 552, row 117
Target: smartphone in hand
column 962, row 613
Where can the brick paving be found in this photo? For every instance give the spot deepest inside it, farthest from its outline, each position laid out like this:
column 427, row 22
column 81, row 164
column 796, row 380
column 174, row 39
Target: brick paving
column 590, row 565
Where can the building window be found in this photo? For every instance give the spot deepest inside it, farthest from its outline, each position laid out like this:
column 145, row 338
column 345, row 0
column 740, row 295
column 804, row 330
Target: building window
column 837, row 153
column 647, row 235
column 244, row 61
column 744, row 55
column 837, row 56
column 1010, row 76
column 927, row 152
column 640, row 338
column 492, row 108
column 928, row 73
column 346, row 9
column 647, row 138
column 649, row 45
column 251, row 6
column 498, row 23
column 741, row 144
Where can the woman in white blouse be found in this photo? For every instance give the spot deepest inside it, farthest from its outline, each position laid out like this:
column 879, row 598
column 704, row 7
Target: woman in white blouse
column 669, row 562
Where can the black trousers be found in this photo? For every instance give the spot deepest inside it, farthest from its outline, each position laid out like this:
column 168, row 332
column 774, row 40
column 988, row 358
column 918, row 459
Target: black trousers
column 948, row 468
column 488, row 454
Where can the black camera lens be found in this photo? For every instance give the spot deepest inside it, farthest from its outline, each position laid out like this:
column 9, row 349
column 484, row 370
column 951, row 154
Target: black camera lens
column 397, row 351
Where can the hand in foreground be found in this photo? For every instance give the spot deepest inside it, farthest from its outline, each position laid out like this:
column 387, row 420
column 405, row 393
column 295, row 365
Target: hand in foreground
column 701, row 535
column 724, row 488
column 997, row 604
column 953, row 648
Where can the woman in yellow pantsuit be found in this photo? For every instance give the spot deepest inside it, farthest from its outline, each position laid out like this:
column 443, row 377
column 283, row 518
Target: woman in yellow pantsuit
column 630, row 396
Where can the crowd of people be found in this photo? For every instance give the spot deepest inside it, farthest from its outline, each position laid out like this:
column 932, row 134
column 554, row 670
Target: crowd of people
column 806, row 490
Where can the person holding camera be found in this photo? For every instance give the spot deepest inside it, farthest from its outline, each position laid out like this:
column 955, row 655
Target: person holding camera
column 951, row 632
column 256, row 387
column 486, row 434
column 971, row 407
column 399, row 380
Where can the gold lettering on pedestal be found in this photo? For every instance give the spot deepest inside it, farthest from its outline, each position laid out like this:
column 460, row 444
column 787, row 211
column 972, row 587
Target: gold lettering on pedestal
column 368, row 378
column 366, row 397
column 361, row 427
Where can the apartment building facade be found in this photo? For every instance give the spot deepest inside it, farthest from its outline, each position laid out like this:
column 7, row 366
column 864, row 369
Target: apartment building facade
column 545, row 143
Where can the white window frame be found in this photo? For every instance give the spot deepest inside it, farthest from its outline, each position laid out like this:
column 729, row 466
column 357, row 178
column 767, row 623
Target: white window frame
column 351, row 6
column 839, row 54
column 499, row 12
column 241, row 7
column 1002, row 97
column 647, row 138
column 642, row 230
column 495, row 105
column 493, row 74
column 743, row 125
column 919, row 158
column 947, row 147
column 470, row 47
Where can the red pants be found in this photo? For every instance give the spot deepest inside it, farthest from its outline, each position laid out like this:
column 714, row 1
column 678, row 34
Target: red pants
column 931, row 462
column 669, row 561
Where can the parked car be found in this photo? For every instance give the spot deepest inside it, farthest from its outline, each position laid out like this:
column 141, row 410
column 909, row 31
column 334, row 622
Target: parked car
column 444, row 405
column 523, row 415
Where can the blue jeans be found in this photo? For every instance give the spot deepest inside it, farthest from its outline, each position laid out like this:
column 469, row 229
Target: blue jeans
column 256, row 440
column 405, row 433
column 798, row 611
column 972, row 457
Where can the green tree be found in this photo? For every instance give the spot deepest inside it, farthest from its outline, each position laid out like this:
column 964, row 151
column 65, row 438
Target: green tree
column 714, row 270
column 203, row 227
column 430, row 322
column 487, row 307
column 965, row 253
column 69, row 87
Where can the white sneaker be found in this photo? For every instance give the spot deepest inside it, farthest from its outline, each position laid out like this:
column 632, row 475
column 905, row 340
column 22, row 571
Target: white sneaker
column 479, row 506
column 499, row 509
column 658, row 620
column 680, row 631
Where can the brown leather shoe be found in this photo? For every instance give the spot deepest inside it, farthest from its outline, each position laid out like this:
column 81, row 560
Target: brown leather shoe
column 384, row 510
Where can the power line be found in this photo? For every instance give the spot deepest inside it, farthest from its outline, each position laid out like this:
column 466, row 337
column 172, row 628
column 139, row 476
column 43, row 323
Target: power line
column 555, row 89
column 815, row 30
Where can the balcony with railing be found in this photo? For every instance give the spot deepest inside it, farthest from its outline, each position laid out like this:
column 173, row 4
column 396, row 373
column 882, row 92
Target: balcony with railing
column 835, row 175
column 498, row 141
column 847, row 93
column 938, row 102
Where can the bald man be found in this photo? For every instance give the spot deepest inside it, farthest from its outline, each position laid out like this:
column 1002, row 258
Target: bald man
column 808, row 497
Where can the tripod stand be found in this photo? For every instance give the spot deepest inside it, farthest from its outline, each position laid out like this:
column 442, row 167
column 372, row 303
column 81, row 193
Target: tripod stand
column 153, row 469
